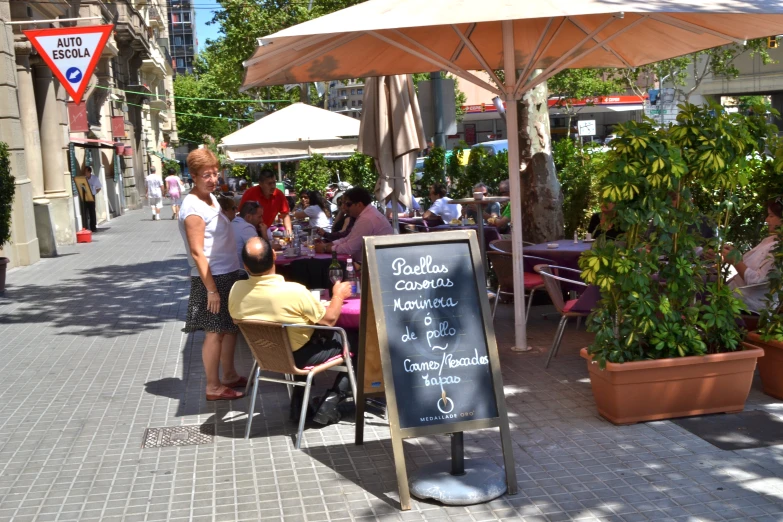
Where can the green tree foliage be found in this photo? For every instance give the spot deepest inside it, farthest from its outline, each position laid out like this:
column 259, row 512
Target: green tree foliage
column 719, row 62
column 577, row 170
column 359, row 171
column 649, row 307
column 194, row 128
column 747, row 103
column 313, row 174
column 7, row 188
column 582, row 84
column 238, row 171
column 170, row 164
column 218, row 70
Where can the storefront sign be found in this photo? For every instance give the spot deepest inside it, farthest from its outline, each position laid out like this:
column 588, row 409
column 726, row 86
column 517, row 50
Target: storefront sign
column 118, row 126
column 71, row 53
column 77, row 118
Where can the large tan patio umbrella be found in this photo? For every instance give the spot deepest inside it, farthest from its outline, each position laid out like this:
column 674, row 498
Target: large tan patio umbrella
column 381, row 37
column 392, row 133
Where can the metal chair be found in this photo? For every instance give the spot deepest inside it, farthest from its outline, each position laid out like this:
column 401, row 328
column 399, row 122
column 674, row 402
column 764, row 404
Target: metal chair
column 552, row 279
column 271, row 349
column 503, row 265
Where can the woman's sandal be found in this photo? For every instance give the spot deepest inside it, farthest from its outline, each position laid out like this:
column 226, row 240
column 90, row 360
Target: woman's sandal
column 226, row 395
column 241, row 382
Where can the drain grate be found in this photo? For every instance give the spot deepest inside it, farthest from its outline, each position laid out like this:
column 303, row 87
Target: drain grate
column 178, row 436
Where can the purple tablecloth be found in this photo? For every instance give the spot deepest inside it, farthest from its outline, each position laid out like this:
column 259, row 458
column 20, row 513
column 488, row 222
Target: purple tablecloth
column 350, row 314
column 566, row 254
column 283, row 260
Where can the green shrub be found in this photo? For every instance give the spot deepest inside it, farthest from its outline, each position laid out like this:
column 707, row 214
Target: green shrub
column 170, row 164
column 577, row 170
column 482, row 167
column 7, row 189
column 359, row 171
column 313, row 174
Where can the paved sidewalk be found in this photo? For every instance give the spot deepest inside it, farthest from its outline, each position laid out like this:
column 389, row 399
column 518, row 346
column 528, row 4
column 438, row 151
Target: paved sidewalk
column 92, row 354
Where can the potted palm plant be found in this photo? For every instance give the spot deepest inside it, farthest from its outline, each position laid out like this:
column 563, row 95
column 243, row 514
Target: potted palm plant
column 7, row 188
column 667, row 338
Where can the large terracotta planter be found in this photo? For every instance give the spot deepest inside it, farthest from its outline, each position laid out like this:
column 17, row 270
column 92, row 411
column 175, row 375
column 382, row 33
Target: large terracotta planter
column 668, row 388
column 770, row 366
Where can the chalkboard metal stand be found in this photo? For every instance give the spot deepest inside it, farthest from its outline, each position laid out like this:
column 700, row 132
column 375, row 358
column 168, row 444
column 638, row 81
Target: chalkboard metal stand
column 376, row 378
column 457, row 454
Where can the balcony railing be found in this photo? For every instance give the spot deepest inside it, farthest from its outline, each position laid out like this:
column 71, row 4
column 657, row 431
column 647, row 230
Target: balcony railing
column 182, row 50
column 154, row 14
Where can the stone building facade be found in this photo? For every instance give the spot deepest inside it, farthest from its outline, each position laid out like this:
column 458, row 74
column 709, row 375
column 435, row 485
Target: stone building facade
column 128, row 106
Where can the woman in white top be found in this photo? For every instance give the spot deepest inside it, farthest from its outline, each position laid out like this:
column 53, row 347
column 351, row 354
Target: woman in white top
column 209, row 241
column 316, row 208
column 757, row 262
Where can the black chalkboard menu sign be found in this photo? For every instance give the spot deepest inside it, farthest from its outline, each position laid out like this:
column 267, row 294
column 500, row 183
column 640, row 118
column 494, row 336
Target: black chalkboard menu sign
column 435, row 334
column 427, row 341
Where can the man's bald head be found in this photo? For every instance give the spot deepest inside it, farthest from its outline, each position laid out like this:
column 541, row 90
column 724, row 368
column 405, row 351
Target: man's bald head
column 257, row 256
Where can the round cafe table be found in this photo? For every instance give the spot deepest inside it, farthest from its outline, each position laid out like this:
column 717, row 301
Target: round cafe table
column 566, row 254
column 480, row 222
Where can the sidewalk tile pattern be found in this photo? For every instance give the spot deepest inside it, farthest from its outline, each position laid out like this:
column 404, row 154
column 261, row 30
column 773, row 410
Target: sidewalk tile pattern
column 92, row 354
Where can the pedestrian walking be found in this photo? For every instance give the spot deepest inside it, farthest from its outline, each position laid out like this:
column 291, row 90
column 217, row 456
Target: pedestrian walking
column 212, row 256
column 89, row 204
column 154, row 193
column 174, row 188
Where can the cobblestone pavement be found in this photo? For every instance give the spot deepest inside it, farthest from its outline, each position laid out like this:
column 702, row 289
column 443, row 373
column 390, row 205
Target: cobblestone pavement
column 92, row 354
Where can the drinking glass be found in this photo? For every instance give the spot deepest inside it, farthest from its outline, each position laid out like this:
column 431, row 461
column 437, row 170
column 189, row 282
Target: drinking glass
column 335, row 275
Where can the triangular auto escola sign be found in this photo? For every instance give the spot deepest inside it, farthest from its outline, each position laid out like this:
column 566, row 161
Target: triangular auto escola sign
column 71, row 53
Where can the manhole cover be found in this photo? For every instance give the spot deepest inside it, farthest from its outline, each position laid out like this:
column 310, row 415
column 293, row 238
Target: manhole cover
column 178, row 436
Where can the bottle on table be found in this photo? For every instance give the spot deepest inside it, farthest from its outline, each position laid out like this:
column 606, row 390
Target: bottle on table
column 350, row 277
column 335, row 270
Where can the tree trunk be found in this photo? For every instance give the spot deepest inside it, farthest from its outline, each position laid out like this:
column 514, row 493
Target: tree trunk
column 542, row 199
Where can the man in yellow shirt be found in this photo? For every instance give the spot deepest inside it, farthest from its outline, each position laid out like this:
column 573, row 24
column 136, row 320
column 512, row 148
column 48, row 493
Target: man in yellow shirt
column 266, row 296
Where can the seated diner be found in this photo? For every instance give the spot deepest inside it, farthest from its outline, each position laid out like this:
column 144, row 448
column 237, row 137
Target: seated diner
column 369, row 222
column 267, row 296
column 756, row 263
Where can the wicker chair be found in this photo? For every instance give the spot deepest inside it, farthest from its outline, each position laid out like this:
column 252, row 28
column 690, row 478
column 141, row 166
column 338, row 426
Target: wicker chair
column 552, row 279
column 503, row 265
column 271, row 349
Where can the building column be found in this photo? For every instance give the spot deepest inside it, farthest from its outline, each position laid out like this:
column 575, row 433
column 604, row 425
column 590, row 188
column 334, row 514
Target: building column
column 44, row 224
column 23, row 247
column 53, row 158
column 32, row 138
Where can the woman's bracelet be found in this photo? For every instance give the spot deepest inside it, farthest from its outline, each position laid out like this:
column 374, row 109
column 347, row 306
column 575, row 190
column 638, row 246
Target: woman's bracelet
column 211, row 292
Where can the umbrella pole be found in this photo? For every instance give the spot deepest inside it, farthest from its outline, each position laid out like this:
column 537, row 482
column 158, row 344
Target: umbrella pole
column 395, row 217
column 279, row 172
column 512, row 130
